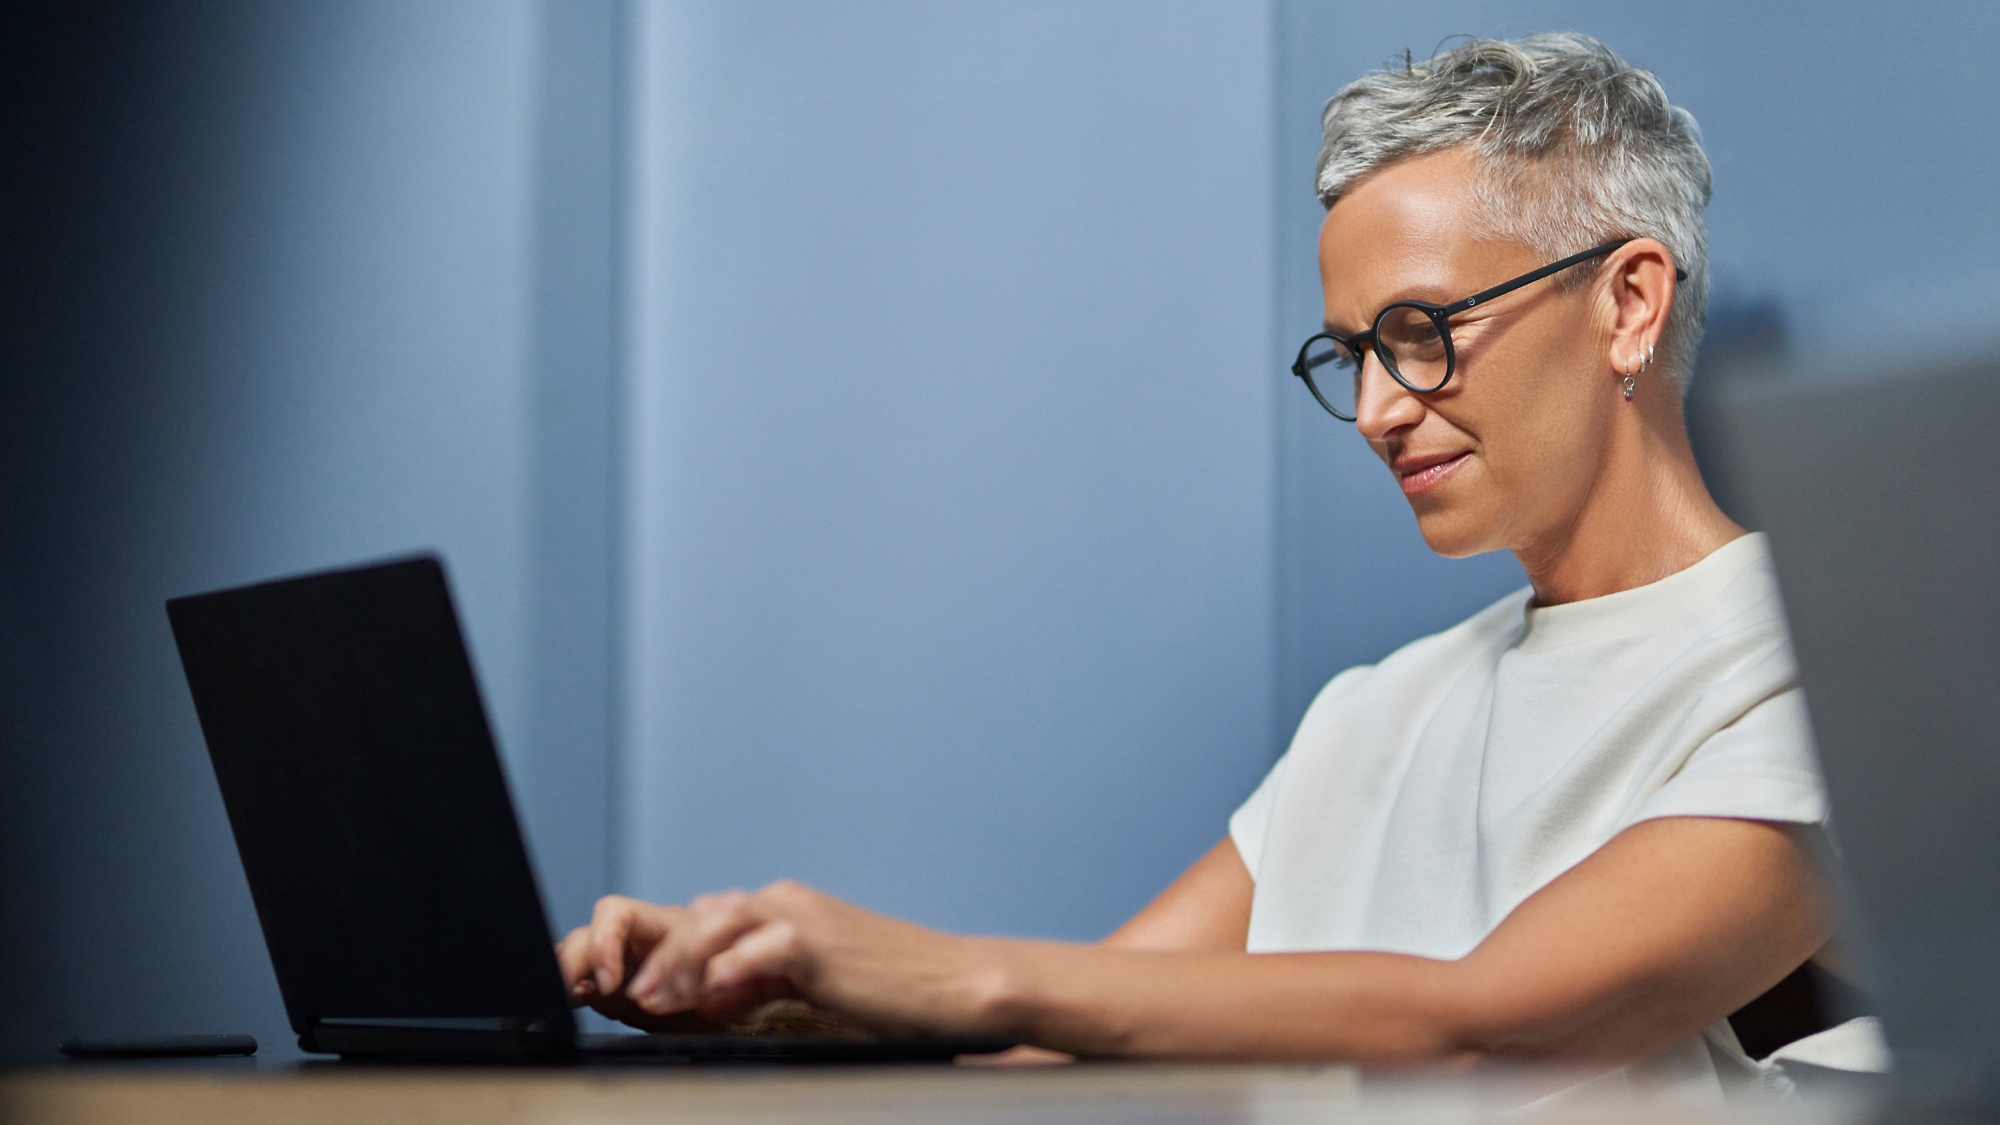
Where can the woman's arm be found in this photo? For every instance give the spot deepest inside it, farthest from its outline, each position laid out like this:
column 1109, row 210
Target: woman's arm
column 1207, row 909
column 1669, row 927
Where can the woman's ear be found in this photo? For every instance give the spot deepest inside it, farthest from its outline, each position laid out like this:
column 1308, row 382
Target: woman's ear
column 1639, row 281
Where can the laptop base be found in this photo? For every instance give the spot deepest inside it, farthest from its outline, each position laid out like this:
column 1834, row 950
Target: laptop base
column 363, row 1043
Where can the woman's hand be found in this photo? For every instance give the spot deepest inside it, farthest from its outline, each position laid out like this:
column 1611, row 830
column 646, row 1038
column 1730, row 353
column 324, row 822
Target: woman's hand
column 594, row 959
column 728, row 954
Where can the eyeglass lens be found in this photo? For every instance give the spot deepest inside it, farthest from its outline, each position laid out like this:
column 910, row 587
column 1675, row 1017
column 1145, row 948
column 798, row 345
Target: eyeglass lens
column 1409, row 343
column 1413, row 348
column 1333, row 373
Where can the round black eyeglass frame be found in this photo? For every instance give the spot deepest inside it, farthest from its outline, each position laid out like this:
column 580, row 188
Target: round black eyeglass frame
column 1439, row 315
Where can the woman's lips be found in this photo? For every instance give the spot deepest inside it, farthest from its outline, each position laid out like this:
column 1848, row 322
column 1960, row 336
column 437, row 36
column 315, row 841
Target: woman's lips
column 1419, row 475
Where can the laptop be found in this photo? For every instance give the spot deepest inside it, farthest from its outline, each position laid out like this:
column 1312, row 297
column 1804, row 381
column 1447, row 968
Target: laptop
column 1880, row 491
column 372, row 817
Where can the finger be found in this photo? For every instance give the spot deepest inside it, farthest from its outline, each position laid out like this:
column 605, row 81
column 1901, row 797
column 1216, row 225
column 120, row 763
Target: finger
column 650, row 991
column 730, row 1004
column 617, row 1007
column 573, row 956
column 610, row 927
column 752, row 972
column 671, row 979
column 773, row 949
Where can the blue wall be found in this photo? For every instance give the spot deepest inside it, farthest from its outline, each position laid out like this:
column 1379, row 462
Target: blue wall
column 858, row 432
column 950, row 519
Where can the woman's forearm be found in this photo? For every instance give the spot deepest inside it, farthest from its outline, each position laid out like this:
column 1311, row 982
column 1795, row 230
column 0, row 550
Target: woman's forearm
column 1368, row 1007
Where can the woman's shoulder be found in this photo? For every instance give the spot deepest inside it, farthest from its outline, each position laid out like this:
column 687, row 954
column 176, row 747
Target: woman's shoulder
column 1484, row 633
column 1430, row 658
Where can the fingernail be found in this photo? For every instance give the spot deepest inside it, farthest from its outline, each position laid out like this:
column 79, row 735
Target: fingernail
column 580, row 988
column 605, row 983
column 642, row 984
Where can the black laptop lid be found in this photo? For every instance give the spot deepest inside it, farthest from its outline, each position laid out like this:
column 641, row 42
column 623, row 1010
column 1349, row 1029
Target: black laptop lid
column 367, row 801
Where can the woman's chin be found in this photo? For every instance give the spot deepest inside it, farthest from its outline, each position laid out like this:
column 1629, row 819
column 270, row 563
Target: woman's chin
column 1454, row 532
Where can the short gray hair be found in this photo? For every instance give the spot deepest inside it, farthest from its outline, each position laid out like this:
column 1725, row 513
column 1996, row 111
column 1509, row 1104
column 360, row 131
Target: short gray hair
column 1578, row 147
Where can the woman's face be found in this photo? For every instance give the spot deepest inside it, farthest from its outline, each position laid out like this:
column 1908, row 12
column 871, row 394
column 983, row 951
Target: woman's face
column 1507, row 452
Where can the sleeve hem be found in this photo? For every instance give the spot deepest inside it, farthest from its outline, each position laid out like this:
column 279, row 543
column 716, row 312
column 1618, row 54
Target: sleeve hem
column 1247, row 849
column 1742, row 794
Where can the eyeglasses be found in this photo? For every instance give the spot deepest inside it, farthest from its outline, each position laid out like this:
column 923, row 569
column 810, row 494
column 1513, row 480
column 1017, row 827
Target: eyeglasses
column 1412, row 339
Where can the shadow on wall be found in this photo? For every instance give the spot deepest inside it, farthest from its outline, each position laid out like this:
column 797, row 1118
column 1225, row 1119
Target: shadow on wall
column 267, row 309
column 1747, row 340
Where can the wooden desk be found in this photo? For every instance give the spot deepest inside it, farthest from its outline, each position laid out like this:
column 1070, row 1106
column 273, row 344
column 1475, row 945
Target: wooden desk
column 1105, row 1094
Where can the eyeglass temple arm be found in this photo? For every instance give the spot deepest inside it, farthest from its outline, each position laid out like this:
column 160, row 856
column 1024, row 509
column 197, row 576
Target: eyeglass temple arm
column 1507, row 287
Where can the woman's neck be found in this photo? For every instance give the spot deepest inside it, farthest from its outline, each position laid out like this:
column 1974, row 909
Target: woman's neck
column 1646, row 516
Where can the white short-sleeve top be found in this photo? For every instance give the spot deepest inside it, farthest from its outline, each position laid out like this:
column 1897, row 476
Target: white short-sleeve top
column 1425, row 797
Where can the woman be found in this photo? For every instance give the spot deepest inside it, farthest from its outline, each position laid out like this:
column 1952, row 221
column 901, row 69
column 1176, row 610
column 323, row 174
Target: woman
column 1579, row 826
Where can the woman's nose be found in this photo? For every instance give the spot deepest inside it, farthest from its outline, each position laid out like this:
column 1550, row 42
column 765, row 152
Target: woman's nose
column 1381, row 404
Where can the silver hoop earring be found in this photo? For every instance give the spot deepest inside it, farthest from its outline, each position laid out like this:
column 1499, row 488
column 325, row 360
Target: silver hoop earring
column 1631, row 385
